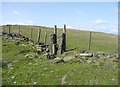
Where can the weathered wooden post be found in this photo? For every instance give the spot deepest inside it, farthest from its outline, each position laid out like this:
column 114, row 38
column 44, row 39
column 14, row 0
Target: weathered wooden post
column 62, row 41
column 64, row 29
column 60, row 45
column 50, row 42
column 89, row 43
column 64, row 38
column 31, row 30
column 55, row 32
column 39, row 32
column 53, row 41
column 39, row 45
column 45, row 38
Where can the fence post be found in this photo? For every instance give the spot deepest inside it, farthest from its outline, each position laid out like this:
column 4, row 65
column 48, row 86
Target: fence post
column 64, row 29
column 55, row 35
column 54, row 43
column 89, row 43
column 64, row 38
column 39, row 32
column 50, row 42
column 45, row 38
column 55, row 31
column 60, row 46
column 62, row 41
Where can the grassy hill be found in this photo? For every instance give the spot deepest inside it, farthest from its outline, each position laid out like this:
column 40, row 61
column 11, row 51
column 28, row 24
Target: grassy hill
column 75, row 38
column 18, row 70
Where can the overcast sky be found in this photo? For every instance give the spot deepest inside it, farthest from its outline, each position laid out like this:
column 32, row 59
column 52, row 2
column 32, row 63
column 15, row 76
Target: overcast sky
column 96, row 16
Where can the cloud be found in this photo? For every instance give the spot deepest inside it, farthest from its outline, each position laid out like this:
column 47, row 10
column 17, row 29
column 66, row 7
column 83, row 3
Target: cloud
column 15, row 23
column 68, row 26
column 29, row 22
column 100, row 22
column 61, row 26
column 114, row 30
column 16, row 12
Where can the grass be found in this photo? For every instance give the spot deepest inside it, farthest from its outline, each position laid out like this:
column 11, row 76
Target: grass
column 75, row 38
column 38, row 71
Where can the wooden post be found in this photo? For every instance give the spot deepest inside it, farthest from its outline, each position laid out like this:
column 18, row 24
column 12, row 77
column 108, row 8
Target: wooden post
column 39, row 31
column 60, row 46
column 64, row 38
column 19, row 29
column 45, row 38
column 55, row 30
column 31, row 33
column 50, row 43
column 89, row 44
column 62, row 41
column 54, row 43
column 55, row 35
column 64, row 29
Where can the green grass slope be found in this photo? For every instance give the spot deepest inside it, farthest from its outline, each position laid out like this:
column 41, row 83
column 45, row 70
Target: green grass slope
column 18, row 70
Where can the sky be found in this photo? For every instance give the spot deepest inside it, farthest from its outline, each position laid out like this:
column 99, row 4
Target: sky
column 93, row 16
